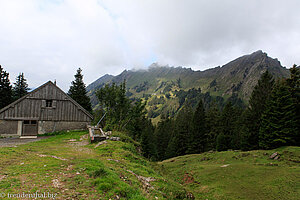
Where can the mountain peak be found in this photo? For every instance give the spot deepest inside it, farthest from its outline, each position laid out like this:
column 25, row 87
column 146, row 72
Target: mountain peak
column 236, row 77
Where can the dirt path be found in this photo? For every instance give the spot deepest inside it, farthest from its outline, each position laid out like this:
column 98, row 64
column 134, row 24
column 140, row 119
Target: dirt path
column 13, row 142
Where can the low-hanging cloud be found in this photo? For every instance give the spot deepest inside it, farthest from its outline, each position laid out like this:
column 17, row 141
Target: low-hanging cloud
column 51, row 39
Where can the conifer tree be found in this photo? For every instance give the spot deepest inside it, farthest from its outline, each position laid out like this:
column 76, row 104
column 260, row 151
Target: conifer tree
column 294, row 81
column 279, row 121
column 5, row 88
column 257, row 105
column 221, row 142
column 213, row 125
column 227, row 123
column 228, row 126
column 294, row 86
column 171, row 149
column 77, row 91
column 20, row 87
column 163, row 134
column 181, row 134
column 147, row 140
column 198, row 137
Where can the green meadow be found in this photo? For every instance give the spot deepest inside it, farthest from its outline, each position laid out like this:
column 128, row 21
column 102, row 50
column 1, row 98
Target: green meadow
column 70, row 167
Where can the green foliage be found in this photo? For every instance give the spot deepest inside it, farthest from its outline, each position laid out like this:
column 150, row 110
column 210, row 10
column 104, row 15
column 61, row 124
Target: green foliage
column 279, row 126
column 200, row 122
column 198, row 137
column 294, row 87
column 229, row 125
column 257, row 105
column 142, row 87
column 213, row 125
column 182, row 131
column 147, row 140
column 20, row 87
column 78, row 92
column 126, row 115
column 5, row 88
column 221, row 143
column 162, row 134
column 112, row 99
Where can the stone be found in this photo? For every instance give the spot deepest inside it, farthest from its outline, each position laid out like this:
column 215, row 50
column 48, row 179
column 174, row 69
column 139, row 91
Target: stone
column 113, row 160
column 114, row 138
column 274, row 155
column 101, row 143
column 225, row 165
column 190, row 195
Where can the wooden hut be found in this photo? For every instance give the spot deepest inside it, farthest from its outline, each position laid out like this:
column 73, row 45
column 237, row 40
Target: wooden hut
column 45, row 109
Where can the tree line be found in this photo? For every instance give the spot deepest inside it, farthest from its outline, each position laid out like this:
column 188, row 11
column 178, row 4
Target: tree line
column 9, row 93
column 270, row 120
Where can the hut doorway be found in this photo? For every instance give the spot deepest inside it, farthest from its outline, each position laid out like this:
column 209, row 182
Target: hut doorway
column 30, row 128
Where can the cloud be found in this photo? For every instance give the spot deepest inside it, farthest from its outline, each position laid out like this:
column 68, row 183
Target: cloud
column 49, row 40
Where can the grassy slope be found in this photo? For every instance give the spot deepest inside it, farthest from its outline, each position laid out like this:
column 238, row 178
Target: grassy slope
column 249, row 175
column 86, row 174
column 102, row 172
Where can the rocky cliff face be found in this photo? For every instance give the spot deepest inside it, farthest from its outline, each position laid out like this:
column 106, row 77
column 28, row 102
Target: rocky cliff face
column 242, row 74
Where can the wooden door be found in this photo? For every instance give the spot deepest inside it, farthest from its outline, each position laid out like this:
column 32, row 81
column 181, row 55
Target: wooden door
column 30, row 128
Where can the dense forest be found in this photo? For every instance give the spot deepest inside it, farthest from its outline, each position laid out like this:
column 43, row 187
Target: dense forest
column 270, row 120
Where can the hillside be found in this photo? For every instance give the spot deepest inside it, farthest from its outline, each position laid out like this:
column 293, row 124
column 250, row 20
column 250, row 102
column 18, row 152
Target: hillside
column 236, row 78
column 68, row 166
column 237, row 175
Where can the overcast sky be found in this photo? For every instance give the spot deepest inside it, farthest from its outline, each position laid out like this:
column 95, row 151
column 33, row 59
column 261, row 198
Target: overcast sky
column 50, row 39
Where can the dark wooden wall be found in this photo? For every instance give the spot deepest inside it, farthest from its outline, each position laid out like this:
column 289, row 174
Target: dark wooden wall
column 34, row 106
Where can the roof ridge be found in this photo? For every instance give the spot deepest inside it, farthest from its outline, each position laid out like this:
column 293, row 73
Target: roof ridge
column 40, row 87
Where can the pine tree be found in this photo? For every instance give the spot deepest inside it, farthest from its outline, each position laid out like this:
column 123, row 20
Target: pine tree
column 5, row 89
column 294, row 86
column 228, row 126
column 163, row 134
column 181, row 134
column 171, row 149
column 257, row 105
column 198, row 137
column 77, row 91
column 147, row 140
column 221, row 142
column 21, row 87
column 279, row 121
column 213, row 125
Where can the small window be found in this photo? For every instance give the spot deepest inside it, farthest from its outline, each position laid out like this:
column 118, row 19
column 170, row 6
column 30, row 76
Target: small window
column 48, row 103
column 30, row 122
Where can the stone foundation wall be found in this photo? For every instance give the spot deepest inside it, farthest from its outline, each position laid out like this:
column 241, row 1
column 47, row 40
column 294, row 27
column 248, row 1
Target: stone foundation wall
column 52, row 126
column 8, row 127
